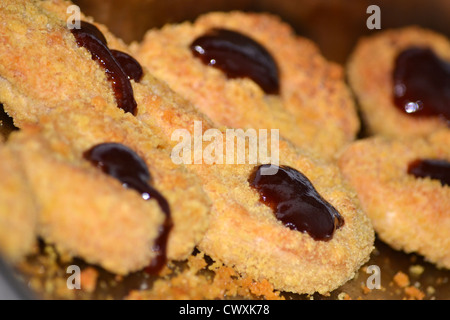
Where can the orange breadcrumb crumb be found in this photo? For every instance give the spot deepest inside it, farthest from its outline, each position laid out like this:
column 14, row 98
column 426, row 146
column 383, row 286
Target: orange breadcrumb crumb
column 365, row 289
column 414, row 293
column 401, row 279
column 89, row 279
column 197, row 283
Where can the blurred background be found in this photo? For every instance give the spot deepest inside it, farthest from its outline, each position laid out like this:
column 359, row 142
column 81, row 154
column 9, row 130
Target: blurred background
column 335, row 25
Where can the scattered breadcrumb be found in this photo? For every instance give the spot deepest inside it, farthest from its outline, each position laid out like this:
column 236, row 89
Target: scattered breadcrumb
column 401, row 279
column 430, row 290
column 89, row 278
column 416, row 270
column 414, row 293
column 44, row 276
column 365, row 289
column 196, row 283
column 344, row 296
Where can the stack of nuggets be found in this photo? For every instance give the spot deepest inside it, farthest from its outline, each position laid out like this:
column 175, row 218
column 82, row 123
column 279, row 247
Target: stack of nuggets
column 70, row 106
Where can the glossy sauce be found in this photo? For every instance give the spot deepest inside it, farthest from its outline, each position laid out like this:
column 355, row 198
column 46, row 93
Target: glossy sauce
column 431, row 168
column 129, row 65
column 238, row 56
column 126, row 166
column 296, row 203
column 91, row 38
column 422, row 83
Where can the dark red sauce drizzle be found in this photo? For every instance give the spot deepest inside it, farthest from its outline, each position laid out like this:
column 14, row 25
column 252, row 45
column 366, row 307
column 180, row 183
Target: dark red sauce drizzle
column 296, row 203
column 422, row 83
column 126, row 166
column 130, row 65
column 238, row 56
column 91, row 38
column 431, row 168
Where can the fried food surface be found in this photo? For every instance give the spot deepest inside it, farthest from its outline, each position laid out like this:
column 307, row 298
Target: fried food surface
column 195, row 283
column 84, row 212
column 49, row 81
column 408, row 213
column 370, row 74
column 18, row 211
column 188, row 202
column 72, row 105
column 314, row 109
column 244, row 232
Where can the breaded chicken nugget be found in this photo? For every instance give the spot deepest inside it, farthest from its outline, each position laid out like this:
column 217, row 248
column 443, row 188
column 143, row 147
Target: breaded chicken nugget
column 18, row 212
column 45, row 65
column 245, row 232
column 189, row 205
column 274, row 79
column 252, row 236
column 84, row 212
column 409, row 212
column 383, row 67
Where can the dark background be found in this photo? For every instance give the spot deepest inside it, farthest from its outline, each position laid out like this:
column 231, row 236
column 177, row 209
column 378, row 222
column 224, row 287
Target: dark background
column 334, row 25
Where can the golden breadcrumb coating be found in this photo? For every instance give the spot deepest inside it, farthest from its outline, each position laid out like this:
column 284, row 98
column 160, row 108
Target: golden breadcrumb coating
column 42, row 66
column 188, row 202
column 193, row 283
column 18, row 212
column 244, row 233
column 83, row 211
column 370, row 69
column 28, row 90
column 314, row 109
column 72, row 100
column 42, row 69
column 408, row 213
